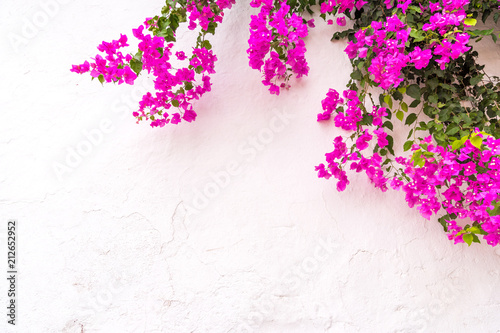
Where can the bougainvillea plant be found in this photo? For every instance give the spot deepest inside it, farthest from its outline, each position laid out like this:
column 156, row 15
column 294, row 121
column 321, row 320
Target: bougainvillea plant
column 413, row 62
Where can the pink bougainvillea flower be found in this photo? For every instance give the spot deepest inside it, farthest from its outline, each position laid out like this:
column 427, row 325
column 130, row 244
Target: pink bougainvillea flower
column 180, row 55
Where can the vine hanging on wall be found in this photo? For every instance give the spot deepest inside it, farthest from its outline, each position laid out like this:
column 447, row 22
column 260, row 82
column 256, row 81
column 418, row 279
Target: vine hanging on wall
column 418, row 54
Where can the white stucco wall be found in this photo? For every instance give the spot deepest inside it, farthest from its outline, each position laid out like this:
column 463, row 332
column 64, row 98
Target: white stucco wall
column 109, row 246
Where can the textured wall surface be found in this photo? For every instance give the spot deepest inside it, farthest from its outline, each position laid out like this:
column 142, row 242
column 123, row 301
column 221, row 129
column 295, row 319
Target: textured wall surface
column 216, row 226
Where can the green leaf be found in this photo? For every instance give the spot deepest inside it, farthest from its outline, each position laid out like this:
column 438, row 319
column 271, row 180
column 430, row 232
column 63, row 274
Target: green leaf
column 167, row 34
column 417, row 158
column 163, row 22
column 468, row 239
column 388, row 125
column 475, row 80
column 390, row 144
column 400, row 115
column 407, row 145
column 418, row 35
column 475, row 239
column 101, row 78
column 174, row 21
column 433, row 83
column 410, row 119
column 415, row 103
column 442, row 221
column 495, row 210
column 199, row 69
column 388, row 101
column 404, row 107
column 452, row 129
column 413, row 91
column 211, row 28
column 138, row 56
column 474, row 230
column 433, row 99
column 136, row 65
column 397, row 95
column 356, row 75
column 381, row 99
column 175, row 103
column 206, row 44
column 458, row 143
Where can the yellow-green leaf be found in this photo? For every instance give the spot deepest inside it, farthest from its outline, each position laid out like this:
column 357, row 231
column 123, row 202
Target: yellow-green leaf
column 400, row 115
column 476, row 141
column 456, row 144
column 404, row 107
column 468, row 239
column 470, row 22
column 388, row 100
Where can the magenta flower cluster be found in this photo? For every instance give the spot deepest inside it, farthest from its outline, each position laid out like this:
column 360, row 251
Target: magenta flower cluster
column 385, row 43
column 174, row 87
column 460, row 182
column 276, row 25
column 113, row 67
column 464, row 182
column 341, row 6
column 202, row 13
column 355, row 156
column 168, row 80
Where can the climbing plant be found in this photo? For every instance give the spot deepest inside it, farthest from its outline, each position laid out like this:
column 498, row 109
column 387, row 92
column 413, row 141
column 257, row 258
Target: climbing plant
column 413, row 63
